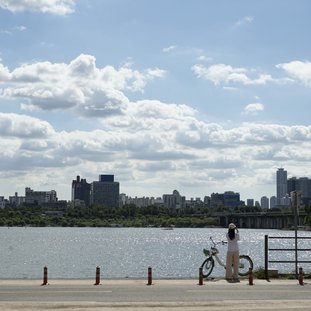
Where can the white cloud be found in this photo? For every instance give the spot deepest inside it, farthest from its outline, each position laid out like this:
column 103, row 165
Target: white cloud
column 221, row 73
column 4, row 73
column 59, row 7
column 162, row 144
column 20, row 28
column 169, row 48
column 254, row 108
column 79, row 85
column 298, row 70
column 11, row 31
column 6, row 32
column 245, row 20
column 204, row 58
column 152, row 144
column 15, row 125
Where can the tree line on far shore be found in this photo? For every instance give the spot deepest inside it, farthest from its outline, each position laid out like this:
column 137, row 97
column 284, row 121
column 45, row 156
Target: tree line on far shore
column 127, row 216
column 101, row 216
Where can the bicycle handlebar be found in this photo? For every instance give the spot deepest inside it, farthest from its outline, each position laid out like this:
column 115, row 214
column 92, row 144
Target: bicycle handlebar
column 215, row 243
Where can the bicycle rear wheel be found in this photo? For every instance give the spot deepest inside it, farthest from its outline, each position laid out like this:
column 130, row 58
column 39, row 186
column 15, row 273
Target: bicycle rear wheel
column 207, row 266
column 245, row 262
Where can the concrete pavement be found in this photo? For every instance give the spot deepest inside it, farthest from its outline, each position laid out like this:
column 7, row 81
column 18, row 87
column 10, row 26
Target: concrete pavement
column 133, row 294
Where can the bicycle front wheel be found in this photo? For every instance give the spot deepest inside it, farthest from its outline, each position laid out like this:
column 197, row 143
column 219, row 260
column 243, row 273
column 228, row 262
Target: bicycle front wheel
column 207, row 266
column 245, row 262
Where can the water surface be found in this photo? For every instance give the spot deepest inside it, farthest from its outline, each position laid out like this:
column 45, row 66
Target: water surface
column 128, row 252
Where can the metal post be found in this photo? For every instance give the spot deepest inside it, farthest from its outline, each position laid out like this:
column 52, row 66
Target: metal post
column 149, row 276
column 266, row 258
column 97, row 278
column 45, row 276
column 295, row 198
column 300, row 277
column 250, row 277
column 200, row 276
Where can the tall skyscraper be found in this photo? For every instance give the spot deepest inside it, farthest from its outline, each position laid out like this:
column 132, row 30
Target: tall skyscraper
column 281, row 185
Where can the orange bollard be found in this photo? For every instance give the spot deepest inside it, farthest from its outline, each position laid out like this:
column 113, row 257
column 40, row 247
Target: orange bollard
column 200, row 276
column 149, row 276
column 97, row 279
column 45, row 276
column 300, row 277
column 250, row 276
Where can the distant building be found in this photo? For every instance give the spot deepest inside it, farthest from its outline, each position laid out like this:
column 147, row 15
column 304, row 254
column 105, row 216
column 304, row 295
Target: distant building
column 105, row 191
column 77, row 203
column 217, row 199
column 139, row 202
column 228, row 199
column 273, row 201
column 158, row 201
column 232, row 199
column 193, row 203
column 174, row 200
column 250, row 202
column 286, row 201
column 80, row 191
column 17, row 200
column 39, row 197
column 207, row 201
column 303, row 185
column 281, row 186
column 264, row 202
column 2, row 202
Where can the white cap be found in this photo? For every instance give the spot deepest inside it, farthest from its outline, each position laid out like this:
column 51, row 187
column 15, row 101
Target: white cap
column 232, row 226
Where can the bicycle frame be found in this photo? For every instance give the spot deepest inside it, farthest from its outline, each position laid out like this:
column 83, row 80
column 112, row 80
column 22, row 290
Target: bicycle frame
column 214, row 252
column 219, row 261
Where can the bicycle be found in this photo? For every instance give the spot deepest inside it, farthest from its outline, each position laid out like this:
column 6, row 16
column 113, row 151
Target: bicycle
column 245, row 262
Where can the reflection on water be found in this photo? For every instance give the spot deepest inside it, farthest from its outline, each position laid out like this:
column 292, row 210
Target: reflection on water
column 128, row 252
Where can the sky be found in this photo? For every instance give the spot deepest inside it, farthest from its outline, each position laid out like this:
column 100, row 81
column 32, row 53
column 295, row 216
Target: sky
column 197, row 96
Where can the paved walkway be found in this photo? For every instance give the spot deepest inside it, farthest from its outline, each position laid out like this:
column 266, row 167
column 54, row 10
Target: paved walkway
column 172, row 295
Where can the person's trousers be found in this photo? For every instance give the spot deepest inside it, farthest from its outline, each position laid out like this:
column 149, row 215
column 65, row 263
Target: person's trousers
column 232, row 265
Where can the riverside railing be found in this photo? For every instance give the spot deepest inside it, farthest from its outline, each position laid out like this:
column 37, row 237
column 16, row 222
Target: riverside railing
column 295, row 249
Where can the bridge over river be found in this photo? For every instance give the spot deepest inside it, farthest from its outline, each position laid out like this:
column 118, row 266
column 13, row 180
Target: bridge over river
column 261, row 220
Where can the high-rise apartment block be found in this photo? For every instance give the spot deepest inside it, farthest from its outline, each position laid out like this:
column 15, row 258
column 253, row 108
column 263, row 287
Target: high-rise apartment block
column 174, row 200
column 273, row 201
column 264, row 202
column 281, row 186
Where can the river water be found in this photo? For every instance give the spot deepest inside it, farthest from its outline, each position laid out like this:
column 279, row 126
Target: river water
column 128, row 252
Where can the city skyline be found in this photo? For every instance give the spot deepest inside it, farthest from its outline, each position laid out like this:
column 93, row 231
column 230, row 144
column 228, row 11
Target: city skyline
column 201, row 97
column 81, row 189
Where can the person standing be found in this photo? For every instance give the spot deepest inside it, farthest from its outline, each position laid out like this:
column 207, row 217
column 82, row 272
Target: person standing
column 232, row 263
